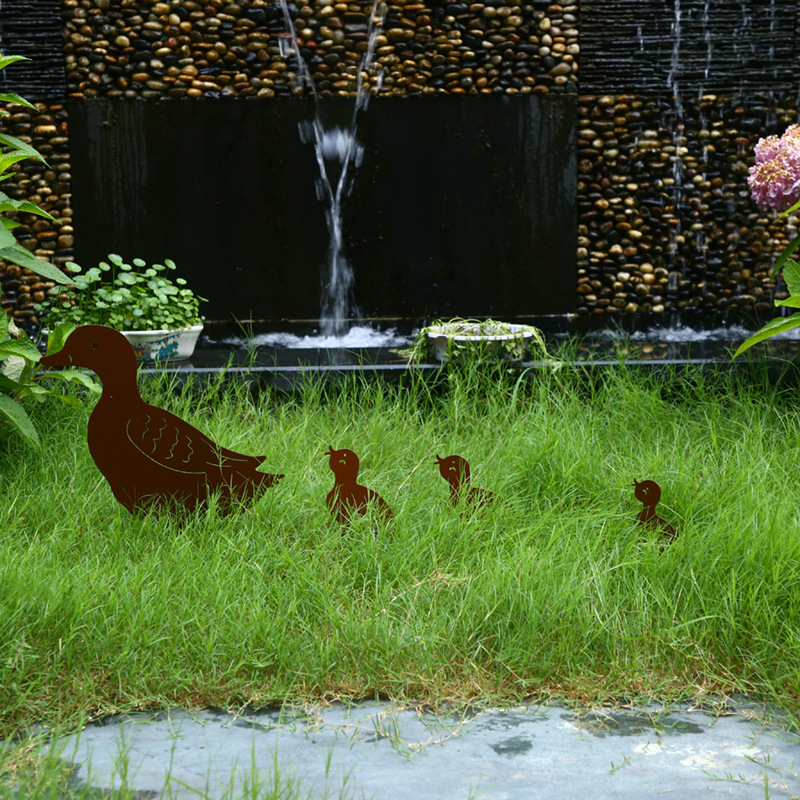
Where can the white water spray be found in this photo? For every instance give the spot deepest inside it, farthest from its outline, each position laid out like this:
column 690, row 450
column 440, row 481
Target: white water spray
column 337, row 152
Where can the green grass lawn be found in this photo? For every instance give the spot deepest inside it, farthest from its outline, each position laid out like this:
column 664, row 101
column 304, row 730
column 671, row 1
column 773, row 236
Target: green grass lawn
column 555, row 592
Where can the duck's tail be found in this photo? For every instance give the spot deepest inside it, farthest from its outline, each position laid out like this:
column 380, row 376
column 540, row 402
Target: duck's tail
column 247, row 484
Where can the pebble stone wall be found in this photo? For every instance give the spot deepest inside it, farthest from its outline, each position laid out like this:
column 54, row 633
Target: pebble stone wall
column 665, row 221
column 666, row 225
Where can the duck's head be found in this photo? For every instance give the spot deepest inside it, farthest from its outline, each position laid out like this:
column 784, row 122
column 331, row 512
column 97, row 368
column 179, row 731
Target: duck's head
column 648, row 492
column 454, row 469
column 98, row 348
column 343, row 462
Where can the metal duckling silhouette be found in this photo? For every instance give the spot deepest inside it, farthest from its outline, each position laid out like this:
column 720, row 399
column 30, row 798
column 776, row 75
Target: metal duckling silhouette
column 149, row 456
column 456, row 471
column 349, row 497
column 649, row 493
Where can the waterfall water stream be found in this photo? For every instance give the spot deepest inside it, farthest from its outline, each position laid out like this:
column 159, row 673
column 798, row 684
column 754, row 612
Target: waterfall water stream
column 338, row 154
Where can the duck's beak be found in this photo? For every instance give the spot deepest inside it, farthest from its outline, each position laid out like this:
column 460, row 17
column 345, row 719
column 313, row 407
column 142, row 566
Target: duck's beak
column 60, row 359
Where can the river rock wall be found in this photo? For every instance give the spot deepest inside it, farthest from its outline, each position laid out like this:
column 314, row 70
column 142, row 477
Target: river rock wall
column 670, row 99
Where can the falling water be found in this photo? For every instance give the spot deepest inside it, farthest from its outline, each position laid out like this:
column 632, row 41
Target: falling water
column 338, row 153
column 678, row 139
column 673, row 79
column 708, row 40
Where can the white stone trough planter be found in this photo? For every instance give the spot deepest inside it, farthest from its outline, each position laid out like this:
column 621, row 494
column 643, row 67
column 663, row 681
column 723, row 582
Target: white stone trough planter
column 454, row 341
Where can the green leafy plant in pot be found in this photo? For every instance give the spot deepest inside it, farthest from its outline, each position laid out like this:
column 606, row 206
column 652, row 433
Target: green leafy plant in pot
column 158, row 314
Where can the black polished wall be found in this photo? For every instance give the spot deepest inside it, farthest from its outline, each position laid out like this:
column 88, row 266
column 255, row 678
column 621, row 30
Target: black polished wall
column 462, row 207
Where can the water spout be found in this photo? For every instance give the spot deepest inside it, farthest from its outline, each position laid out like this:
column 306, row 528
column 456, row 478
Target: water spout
column 337, row 152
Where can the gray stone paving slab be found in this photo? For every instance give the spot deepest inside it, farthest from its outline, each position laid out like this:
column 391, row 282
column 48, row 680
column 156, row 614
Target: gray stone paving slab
column 388, row 753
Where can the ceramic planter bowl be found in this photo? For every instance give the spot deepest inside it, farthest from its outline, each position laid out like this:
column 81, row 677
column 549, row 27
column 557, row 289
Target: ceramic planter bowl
column 159, row 345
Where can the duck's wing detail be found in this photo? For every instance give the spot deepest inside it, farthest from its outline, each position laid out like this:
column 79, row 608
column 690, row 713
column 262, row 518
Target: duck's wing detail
column 174, row 444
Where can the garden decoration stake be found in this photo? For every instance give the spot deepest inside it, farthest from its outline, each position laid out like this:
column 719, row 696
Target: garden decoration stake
column 649, row 493
column 347, row 496
column 149, row 456
column 455, row 470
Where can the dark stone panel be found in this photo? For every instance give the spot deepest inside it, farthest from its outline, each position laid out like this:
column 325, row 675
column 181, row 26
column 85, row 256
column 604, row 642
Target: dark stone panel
column 33, row 28
column 472, row 210
column 698, row 45
column 464, row 207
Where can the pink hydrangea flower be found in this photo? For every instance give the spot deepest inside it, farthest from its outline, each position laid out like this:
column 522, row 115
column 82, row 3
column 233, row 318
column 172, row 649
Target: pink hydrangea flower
column 775, row 177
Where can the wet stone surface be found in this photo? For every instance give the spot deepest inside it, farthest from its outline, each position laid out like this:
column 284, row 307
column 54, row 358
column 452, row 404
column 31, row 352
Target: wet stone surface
column 736, row 749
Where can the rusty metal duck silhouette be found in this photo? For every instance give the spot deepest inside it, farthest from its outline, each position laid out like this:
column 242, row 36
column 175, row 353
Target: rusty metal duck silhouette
column 456, row 471
column 348, row 496
column 649, row 493
column 149, row 456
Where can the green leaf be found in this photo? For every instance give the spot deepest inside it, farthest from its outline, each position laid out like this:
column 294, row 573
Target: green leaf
column 20, row 421
column 28, row 150
column 10, row 204
column 7, row 60
column 7, row 160
column 791, row 274
column 784, row 256
column 8, row 385
column 789, row 302
column 58, row 336
column 12, row 97
column 19, row 255
column 75, row 376
column 773, row 327
column 17, row 369
column 7, row 238
column 13, row 347
column 789, row 210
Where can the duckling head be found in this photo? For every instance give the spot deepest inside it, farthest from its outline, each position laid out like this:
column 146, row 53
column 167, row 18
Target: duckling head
column 454, row 469
column 648, row 492
column 344, row 462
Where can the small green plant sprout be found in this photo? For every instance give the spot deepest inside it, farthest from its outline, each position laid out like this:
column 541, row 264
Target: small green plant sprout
column 127, row 297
